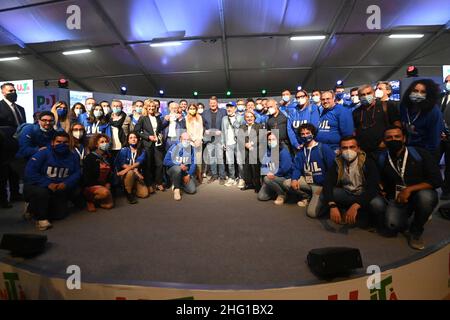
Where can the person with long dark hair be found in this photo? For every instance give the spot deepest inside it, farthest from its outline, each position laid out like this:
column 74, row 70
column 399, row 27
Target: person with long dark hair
column 75, row 112
column 421, row 116
column 128, row 165
column 97, row 122
column 78, row 142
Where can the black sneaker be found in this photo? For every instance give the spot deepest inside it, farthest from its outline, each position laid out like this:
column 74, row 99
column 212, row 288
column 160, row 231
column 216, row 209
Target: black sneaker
column 6, row 205
column 131, row 198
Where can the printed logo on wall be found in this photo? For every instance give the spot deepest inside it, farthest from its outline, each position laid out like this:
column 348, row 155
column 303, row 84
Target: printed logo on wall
column 24, row 90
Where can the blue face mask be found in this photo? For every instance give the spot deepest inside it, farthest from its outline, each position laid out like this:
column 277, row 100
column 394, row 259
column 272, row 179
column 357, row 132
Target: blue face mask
column 367, row 100
column 185, row 144
column 104, row 146
column 447, row 86
column 117, row 110
column 62, row 148
column 307, row 139
column 417, row 97
column 339, row 96
column 61, row 113
column 273, row 144
column 240, row 107
column 134, row 145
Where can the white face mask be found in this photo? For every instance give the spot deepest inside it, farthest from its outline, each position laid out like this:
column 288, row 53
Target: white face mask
column 349, row 155
column 316, row 99
column 77, row 112
column 447, row 86
column 200, row 111
column 355, row 99
column 77, row 134
column 286, row 98
column 271, row 111
column 89, row 107
column 379, row 94
column 259, row 107
column 301, row 101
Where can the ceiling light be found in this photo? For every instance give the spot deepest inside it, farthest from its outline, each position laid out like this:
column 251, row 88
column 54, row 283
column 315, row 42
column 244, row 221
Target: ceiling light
column 406, row 36
column 68, row 53
column 9, row 59
column 165, row 44
column 297, row 38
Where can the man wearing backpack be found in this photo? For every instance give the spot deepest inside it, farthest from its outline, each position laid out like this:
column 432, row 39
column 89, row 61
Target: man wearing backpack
column 371, row 119
column 11, row 116
column 409, row 177
column 310, row 167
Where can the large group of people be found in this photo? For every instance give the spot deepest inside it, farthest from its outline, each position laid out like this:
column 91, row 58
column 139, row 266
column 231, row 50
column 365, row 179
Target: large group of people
column 366, row 161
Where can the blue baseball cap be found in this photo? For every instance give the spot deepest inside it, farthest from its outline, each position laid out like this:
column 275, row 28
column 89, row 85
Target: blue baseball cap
column 231, row 104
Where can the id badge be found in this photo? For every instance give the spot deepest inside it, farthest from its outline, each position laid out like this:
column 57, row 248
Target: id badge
column 398, row 188
column 309, row 177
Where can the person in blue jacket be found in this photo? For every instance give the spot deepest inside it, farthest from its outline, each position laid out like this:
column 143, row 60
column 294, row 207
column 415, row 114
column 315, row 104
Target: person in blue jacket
column 287, row 103
column 335, row 121
column 97, row 122
column 421, row 116
column 180, row 163
column 51, row 179
column 35, row 137
column 276, row 168
column 309, row 170
column 304, row 112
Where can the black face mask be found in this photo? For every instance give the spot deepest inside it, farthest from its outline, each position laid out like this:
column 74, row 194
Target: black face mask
column 12, row 97
column 394, row 146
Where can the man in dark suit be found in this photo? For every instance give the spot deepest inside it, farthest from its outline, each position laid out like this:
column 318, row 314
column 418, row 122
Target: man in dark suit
column 212, row 119
column 11, row 116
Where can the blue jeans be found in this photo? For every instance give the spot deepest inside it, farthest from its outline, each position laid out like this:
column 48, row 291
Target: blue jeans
column 215, row 157
column 271, row 188
column 394, row 216
column 345, row 200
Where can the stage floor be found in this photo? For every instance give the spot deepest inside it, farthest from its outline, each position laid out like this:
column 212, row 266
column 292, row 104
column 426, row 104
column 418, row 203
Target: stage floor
column 221, row 237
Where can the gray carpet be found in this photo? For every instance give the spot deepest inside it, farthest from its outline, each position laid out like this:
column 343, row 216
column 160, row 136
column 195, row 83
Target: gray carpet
column 220, row 236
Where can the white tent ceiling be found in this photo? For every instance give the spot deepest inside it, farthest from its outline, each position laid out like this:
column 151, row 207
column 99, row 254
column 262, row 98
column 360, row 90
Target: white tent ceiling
column 241, row 45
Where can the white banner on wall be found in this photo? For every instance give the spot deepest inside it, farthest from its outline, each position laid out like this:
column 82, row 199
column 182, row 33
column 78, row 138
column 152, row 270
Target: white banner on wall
column 79, row 96
column 445, row 71
column 24, row 90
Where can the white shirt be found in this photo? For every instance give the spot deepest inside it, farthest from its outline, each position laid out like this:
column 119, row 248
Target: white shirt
column 15, row 113
column 154, row 123
column 230, row 131
column 172, row 129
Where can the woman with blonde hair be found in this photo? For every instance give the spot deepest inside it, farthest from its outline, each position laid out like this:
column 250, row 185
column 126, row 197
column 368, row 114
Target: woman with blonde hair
column 194, row 127
column 62, row 121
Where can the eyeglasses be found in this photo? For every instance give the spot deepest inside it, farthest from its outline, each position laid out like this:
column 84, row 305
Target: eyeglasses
column 47, row 120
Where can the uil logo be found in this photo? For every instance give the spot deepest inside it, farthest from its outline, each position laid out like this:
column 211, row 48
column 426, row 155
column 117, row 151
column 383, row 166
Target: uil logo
column 324, row 125
column 60, row 173
column 296, row 124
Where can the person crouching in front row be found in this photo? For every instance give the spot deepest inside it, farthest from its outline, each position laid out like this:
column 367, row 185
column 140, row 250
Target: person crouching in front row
column 51, row 179
column 180, row 163
column 97, row 175
column 128, row 164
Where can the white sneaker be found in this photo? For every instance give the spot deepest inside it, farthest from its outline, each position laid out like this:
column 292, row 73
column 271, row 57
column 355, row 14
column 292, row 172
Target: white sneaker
column 303, row 203
column 43, row 225
column 229, row 182
column 235, row 182
column 177, row 194
column 241, row 183
column 279, row 201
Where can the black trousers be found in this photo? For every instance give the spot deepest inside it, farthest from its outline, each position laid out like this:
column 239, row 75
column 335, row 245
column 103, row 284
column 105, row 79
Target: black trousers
column 445, row 149
column 153, row 171
column 45, row 204
column 252, row 175
column 7, row 173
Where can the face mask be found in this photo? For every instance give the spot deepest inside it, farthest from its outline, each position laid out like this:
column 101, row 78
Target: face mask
column 12, row 97
column 273, row 144
column 349, row 155
column 394, row 146
column 271, row 111
column 192, row 112
column 78, row 134
column 301, row 101
column 447, row 86
column 43, row 129
column 133, row 145
column 355, row 99
column 367, row 100
column 61, row 148
column 241, row 107
column 104, row 146
column 259, row 107
column 379, row 94
column 117, row 110
column 200, row 111
column 339, row 96
column 417, row 97
column 106, row 110
column 61, row 113
column 185, row 144
column 77, row 112
column 89, row 107
column 286, row 98
column 316, row 99
column 307, row 139
column 98, row 113
column 138, row 110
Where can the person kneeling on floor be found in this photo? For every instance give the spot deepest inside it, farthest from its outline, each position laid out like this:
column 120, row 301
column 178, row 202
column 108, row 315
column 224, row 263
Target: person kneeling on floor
column 409, row 177
column 180, row 163
column 97, row 175
column 276, row 167
column 128, row 165
column 309, row 170
column 351, row 184
column 51, row 179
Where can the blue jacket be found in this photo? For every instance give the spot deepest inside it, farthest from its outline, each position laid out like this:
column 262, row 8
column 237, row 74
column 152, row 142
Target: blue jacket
column 260, row 118
column 177, row 155
column 47, row 167
column 32, row 139
column 124, row 157
column 321, row 159
column 297, row 117
column 281, row 169
column 427, row 129
column 207, row 118
column 102, row 128
column 335, row 124
column 286, row 109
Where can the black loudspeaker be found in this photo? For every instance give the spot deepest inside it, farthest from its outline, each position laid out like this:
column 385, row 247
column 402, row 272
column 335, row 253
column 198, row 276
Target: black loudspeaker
column 23, row 245
column 334, row 261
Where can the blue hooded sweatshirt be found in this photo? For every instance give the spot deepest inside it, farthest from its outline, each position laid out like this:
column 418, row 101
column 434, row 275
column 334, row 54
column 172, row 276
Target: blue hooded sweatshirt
column 124, row 157
column 178, row 155
column 281, row 169
column 297, row 117
column 32, row 139
column 335, row 124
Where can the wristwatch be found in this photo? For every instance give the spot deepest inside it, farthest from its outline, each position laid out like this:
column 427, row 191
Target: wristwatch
column 332, row 205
